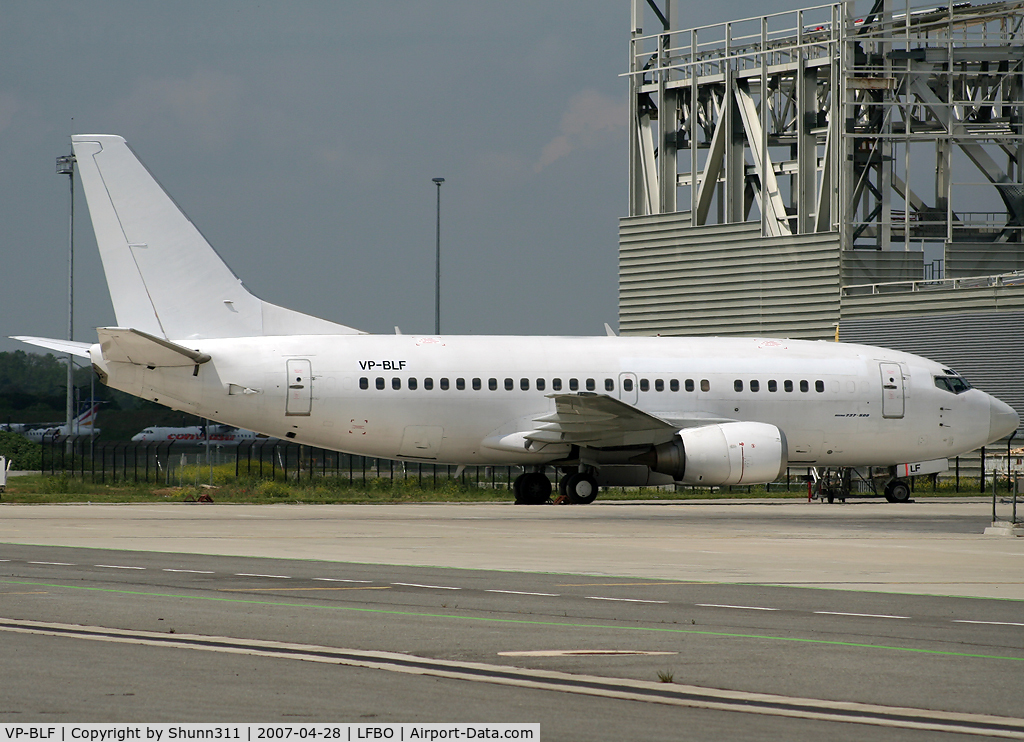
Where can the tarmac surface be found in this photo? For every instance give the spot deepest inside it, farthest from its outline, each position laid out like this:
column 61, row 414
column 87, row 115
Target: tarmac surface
column 771, row 620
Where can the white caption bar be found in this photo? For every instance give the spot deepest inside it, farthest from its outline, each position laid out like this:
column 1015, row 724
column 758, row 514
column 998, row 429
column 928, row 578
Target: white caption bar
column 258, row 732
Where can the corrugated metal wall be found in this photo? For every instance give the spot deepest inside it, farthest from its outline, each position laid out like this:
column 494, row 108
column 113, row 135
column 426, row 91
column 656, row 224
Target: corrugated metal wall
column 725, row 280
column 952, row 327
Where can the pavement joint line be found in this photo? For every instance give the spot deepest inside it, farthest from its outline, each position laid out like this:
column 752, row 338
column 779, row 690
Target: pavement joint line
column 531, row 622
column 429, row 587
column 191, row 571
column 859, row 615
column 523, row 592
column 607, row 687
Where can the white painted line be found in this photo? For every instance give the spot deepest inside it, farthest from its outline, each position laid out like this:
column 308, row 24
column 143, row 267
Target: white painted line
column 5, row 560
column 625, row 600
column 858, row 615
column 520, row 592
column 993, row 623
column 579, row 652
column 191, row 571
column 431, row 587
column 115, row 566
column 276, row 577
column 741, row 607
column 334, row 579
column 57, row 564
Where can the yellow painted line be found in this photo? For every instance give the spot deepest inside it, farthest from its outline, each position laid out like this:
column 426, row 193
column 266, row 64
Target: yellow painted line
column 287, row 589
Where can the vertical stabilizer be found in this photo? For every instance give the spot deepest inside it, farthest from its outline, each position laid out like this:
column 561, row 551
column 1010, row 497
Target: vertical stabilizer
column 164, row 277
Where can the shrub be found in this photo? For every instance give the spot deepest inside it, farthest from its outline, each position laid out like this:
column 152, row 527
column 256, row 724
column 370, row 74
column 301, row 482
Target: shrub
column 23, row 454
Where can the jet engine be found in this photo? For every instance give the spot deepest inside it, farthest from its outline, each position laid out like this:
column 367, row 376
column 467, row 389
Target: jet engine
column 714, row 455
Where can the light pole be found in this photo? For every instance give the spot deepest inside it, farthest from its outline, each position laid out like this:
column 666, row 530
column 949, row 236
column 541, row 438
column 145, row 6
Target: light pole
column 437, row 263
column 66, row 166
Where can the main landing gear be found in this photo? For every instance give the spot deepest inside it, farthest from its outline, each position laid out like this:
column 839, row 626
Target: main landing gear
column 534, row 488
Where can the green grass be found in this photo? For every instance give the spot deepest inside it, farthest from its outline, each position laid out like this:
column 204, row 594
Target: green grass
column 191, row 482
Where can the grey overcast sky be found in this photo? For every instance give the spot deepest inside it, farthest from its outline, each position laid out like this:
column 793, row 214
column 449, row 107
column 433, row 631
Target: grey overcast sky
column 301, row 138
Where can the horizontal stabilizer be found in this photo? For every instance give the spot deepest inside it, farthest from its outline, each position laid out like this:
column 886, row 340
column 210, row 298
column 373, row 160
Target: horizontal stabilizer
column 61, row 346
column 126, row 345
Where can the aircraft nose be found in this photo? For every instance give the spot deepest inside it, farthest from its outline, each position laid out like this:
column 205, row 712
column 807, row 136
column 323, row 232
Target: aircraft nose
column 1003, row 420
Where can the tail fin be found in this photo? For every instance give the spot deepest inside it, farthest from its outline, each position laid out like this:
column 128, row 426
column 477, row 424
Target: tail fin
column 87, row 418
column 164, row 277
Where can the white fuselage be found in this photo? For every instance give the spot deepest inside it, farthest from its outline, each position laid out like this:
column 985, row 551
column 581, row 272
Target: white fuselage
column 827, row 398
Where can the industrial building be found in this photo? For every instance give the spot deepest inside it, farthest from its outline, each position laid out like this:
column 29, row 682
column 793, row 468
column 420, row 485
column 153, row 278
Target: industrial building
column 847, row 171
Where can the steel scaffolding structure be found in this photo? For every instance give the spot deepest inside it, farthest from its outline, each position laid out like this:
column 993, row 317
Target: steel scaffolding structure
column 895, row 128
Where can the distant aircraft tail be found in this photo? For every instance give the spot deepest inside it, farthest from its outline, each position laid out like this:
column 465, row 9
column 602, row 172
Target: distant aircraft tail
column 87, row 419
column 164, row 277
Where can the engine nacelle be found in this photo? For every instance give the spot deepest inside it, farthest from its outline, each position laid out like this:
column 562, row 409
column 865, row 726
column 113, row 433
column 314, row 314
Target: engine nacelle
column 729, row 453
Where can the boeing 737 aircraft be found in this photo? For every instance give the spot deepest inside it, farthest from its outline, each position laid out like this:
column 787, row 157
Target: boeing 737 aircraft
column 603, row 410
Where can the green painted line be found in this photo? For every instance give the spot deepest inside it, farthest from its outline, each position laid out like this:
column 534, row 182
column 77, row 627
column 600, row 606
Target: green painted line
column 521, row 621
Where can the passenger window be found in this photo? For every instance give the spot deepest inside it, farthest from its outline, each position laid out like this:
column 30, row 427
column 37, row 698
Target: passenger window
column 755, row 385
column 674, row 385
column 556, row 385
column 509, row 385
column 738, row 385
column 819, row 386
column 659, row 385
column 574, row 385
column 627, row 384
column 540, row 385
column 364, row 383
column 787, row 385
column 444, row 383
column 477, row 385
column 492, row 384
column 396, row 383
column 804, row 386
column 591, row 386
column 428, row 383
column 645, row 385
column 524, row 384
column 412, row 383
column 705, row 385
column 379, row 382
column 609, row 385
column 773, row 385
column 689, row 385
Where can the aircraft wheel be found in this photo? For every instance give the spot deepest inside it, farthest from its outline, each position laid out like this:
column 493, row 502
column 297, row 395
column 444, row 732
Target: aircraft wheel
column 532, row 488
column 581, row 488
column 897, row 491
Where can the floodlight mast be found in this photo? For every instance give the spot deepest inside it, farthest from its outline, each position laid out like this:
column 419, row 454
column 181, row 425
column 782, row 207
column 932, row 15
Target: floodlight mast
column 437, row 262
column 66, row 166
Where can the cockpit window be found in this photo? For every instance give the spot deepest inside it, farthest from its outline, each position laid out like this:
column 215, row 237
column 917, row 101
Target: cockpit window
column 954, row 384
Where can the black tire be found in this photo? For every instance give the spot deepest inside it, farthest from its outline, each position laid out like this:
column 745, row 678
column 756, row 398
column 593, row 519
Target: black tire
column 532, row 488
column 897, row 491
column 581, row 488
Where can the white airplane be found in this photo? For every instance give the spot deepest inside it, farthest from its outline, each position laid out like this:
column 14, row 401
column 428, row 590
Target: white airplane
column 83, row 425
column 214, row 434
column 604, row 410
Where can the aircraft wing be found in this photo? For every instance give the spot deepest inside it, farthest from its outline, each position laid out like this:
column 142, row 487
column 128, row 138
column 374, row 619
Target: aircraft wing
column 600, row 421
column 61, row 346
column 127, row 345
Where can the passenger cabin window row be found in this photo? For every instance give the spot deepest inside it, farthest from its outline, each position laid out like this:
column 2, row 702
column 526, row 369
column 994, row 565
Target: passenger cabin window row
column 773, row 386
column 572, row 384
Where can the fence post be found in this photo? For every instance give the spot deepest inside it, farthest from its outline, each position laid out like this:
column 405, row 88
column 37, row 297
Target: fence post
column 982, row 470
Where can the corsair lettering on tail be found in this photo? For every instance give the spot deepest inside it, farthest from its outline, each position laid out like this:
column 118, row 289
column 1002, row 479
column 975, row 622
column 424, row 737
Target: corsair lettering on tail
column 603, row 410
